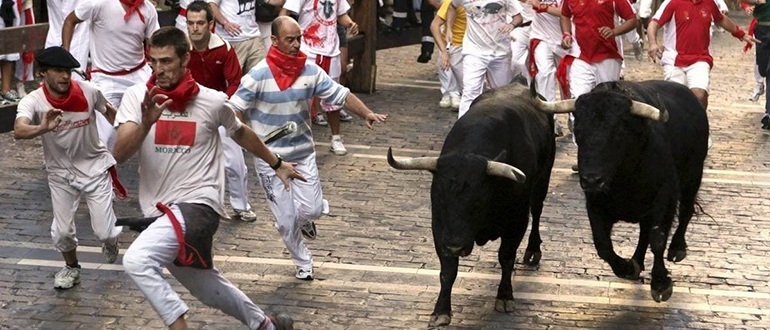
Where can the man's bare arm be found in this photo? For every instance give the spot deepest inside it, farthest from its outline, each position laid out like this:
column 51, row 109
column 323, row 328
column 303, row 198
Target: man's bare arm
column 68, row 29
column 23, row 128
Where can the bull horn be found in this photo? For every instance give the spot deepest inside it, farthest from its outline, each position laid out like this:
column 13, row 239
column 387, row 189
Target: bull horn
column 506, row 171
column 645, row 110
column 563, row 106
column 418, row 163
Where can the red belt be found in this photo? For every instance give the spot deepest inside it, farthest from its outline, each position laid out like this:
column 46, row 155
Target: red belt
column 121, row 73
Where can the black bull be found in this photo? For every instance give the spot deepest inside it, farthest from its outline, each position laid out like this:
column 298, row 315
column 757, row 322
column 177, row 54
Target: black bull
column 492, row 172
column 635, row 169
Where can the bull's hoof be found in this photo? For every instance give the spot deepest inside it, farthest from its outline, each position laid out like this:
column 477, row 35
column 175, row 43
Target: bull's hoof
column 662, row 292
column 439, row 320
column 532, row 258
column 504, row 305
column 635, row 270
column 676, row 255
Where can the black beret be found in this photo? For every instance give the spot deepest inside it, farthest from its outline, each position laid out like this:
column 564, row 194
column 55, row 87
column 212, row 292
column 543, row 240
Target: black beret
column 56, row 57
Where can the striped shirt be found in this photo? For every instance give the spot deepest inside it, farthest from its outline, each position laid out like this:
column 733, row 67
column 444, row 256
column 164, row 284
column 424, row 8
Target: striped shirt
column 268, row 107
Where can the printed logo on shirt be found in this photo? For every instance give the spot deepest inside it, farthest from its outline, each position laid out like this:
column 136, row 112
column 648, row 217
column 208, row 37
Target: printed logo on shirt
column 245, row 5
column 487, row 14
column 180, row 134
column 69, row 124
column 324, row 12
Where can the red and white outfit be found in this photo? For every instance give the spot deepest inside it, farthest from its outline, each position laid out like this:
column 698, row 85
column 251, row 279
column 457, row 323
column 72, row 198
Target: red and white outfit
column 57, row 12
column 11, row 57
column 686, row 40
column 520, row 39
column 181, row 19
column 247, row 44
column 117, row 44
column 320, row 40
column 486, row 51
column 217, row 67
column 77, row 163
column 596, row 59
column 180, row 161
column 545, row 49
column 25, row 70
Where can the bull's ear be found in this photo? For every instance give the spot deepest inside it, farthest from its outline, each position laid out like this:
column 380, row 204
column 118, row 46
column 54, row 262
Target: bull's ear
column 501, row 156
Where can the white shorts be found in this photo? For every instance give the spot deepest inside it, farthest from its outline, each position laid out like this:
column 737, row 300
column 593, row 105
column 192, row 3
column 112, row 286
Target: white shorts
column 583, row 76
column 697, row 75
column 334, row 67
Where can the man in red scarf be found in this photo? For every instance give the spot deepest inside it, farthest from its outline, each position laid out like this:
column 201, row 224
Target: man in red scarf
column 173, row 123
column 62, row 112
column 278, row 89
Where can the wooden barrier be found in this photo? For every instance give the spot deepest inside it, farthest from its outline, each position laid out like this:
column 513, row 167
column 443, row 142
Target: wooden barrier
column 16, row 40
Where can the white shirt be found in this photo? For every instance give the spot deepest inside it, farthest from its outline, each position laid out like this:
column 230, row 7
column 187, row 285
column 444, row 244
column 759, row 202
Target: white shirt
column 73, row 149
column 318, row 20
column 58, row 10
column 116, row 44
column 547, row 27
column 240, row 12
column 181, row 158
column 181, row 20
column 485, row 18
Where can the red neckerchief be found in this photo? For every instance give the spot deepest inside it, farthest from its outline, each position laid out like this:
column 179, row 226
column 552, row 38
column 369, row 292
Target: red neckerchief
column 285, row 68
column 74, row 101
column 181, row 94
column 133, row 6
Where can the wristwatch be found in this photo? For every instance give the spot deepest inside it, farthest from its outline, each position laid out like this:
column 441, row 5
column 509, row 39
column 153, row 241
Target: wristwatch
column 278, row 163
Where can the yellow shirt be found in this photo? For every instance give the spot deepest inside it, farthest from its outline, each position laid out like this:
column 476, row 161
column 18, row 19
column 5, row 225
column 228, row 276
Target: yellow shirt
column 458, row 28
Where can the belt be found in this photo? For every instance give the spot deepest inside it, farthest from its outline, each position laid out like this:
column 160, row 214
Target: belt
column 763, row 23
column 182, row 12
column 121, row 73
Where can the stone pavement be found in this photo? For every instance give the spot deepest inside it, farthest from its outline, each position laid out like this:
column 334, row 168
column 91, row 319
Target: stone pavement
column 375, row 262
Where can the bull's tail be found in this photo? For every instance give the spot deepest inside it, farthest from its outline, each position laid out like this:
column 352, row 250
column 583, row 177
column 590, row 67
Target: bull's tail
column 700, row 211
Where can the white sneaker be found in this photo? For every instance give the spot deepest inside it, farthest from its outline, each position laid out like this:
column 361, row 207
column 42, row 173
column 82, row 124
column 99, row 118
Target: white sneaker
column 337, row 147
column 325, row 207
column 21, row 89
column 320, row 120
column 66, row 278
column 344, row 116
column 304, row 274
column 110, row 252
column 757, row 93
column 247, row 216
column 455, row 101
column 446, row 101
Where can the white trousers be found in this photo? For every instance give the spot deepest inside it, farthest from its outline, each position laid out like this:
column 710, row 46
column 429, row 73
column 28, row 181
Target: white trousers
column 547, row 57
column 236, row 172
column 155, row 248
column 478, row 67
column 520, row 52
column 106, row 131
column 65, row 197
column 583, row 77
column 113, row 87
column 696, row 75
column 303, row 202
column 451, row 79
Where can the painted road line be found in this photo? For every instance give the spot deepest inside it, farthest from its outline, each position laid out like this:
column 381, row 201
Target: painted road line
column 603, row 297
column 397, row 270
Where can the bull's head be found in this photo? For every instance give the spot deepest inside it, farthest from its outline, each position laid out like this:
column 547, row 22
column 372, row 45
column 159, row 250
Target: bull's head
column 609, row 131
column 462, row 193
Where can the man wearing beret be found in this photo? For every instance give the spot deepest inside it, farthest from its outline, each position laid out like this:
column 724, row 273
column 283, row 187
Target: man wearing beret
column 78, row 163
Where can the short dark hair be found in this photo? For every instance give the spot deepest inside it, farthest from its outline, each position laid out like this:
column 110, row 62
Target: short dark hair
column 171, row 36
column 199, row 6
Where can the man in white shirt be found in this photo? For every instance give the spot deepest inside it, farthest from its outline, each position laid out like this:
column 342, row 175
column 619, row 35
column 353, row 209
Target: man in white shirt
column 173, row 122
column 62, row 112
column 486, row 45
column 238, row 25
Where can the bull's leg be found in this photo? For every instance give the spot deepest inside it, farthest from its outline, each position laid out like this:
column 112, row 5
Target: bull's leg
column 677, row 251
column 507, row 257
column 661, row 286
column 442, row 312
column 533, row 254
column 601, row 227
column 642, row 244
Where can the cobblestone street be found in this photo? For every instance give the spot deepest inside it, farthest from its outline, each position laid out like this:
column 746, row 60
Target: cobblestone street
column 376, row 266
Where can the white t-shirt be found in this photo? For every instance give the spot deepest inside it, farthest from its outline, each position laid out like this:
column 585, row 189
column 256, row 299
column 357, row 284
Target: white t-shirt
column 318, row 20
column 58, row 10
column 181, row 157
column 485, row 18
column 116, row 44
column 73, row 149
column 240, row 12
column 547, row 27
column 181, row 20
